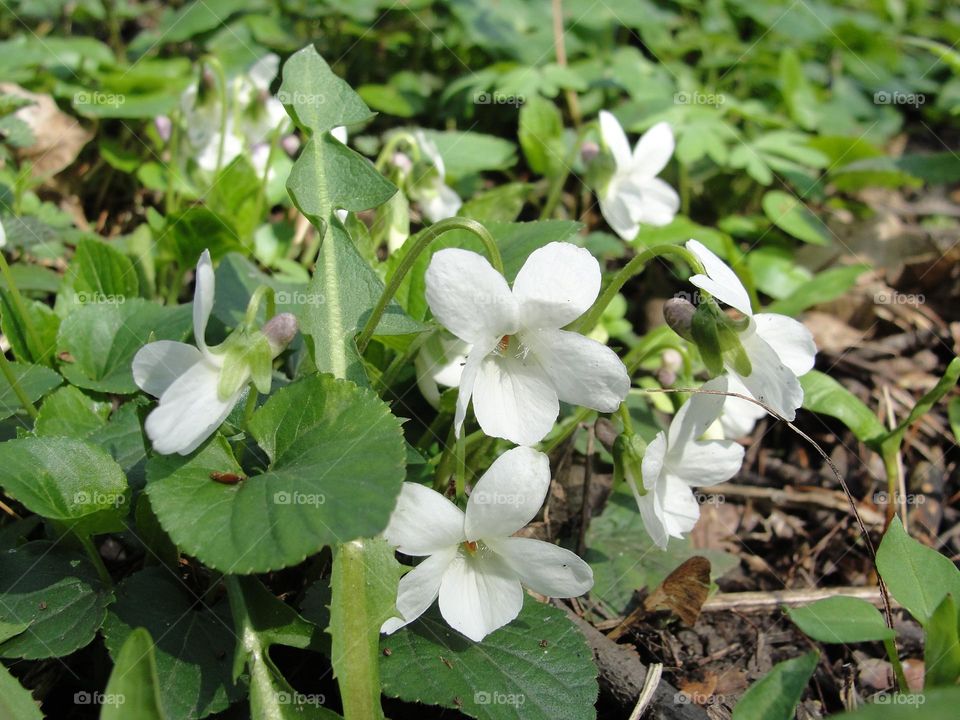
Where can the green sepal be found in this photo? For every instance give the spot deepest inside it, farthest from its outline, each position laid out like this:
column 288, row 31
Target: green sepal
column 246, row 356
column 705, row 328
column 628, row 452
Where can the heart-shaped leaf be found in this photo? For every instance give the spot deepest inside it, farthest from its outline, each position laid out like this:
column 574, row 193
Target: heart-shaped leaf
column 337, row 461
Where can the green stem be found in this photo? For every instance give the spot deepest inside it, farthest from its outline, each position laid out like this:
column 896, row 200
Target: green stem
column 589, row 319
column 423, row 240
column 392, row 143
column 11, row 378
column 170, row 202
column 32, row 341
column 461, row 467
column 891, row 648
column 95, row 558
column 556, row 185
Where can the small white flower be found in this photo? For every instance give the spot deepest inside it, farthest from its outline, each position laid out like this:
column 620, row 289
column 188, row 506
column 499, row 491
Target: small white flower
column 440, row 362
column 185, row 378
column 780, row 348
column 634, row 195
column 438, row 201
column 739, row 416
column 677, row 461
column 3, row 236
column 521, row 363
column 472, row 564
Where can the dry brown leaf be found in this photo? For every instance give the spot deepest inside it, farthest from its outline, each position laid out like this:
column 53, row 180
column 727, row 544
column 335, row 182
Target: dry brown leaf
column 684, row 590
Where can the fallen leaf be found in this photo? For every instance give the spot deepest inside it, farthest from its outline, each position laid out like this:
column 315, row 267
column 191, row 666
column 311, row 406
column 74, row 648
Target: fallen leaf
column 684, row 590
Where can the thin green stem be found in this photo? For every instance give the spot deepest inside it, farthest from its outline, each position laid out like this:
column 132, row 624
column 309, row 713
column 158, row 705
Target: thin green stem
column 32, row 341
column 559, row 180
column 95, row 558
column 170, row 202
column 891, row 648
column 392, row 143
column 11, row 378
column 589, row 319
column 423, row 240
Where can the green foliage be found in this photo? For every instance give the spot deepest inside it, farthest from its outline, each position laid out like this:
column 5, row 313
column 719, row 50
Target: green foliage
column 776, row 694
column 841, row 620
column 134, row 686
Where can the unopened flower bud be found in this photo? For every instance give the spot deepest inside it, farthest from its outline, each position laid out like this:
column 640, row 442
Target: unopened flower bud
column 678, row 314
column 402, row 162
column 671, row 362
column 280, row 331
column 589, row 151
column 164, row 127
column 290, row 144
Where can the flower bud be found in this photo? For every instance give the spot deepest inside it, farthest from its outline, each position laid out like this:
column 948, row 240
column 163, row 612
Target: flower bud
column 280, row 331
column 678, row 314
column 402, row 162
column 589, row 151
column 164, row 127
column 290, row 144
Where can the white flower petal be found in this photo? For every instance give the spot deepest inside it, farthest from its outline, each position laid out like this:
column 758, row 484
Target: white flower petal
column 557, row 284
column 653, row 150
column 340, row 133
column 660, row 203
column 205, row 284
column 189, row 412
column 653, row 459
column 156, row 365
column 545, row 568
column 709, row 462
column 720, row 281
column 513, row 399
column 696, row 415
column 508, row 495
column 618, row 204
column 770, row 381
column 469, row 297
column 676, row 506
column 611, row 132
column 651, row 516
column 418, row 589
column 790, row 340
column 424, row 522
column 468, row 381
column 583, row 371
column 3, row 236
column 479, row 594
column 443, row 202
column 739, row 416
column 263, row 71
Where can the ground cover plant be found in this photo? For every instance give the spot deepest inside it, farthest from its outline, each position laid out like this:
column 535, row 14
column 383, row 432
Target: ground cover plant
column 560, row 359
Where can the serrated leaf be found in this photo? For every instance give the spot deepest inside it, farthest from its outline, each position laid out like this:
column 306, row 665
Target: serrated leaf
column 15, row 700
column 63, row 603
column 37, row 347
column 103, row 338
column 918, row 576
column 841, row 620
column 794, row 218
column 822, row 394
column 538, row 667
column 776, row 694
column 99, row 272
column 332, row 446
column 35, row 380
column 133, row 689
column 67, row 480
column 67, row 412
column 194, row 643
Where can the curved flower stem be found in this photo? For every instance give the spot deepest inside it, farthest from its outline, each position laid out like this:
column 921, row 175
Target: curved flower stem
column 589, row 319
column 33, row 343
column 423, row 240
column 392, row 143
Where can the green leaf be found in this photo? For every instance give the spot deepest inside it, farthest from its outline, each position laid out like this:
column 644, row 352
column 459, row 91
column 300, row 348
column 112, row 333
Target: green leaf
column 931, row 398
column 794, row 218
column 941, row 651
column 102, row 340
column 541, row 136
column 824, row 287
column 35, row 380
column 66, row 480
column 133, row 689
column 797, row 91
column 345, row 288
column 63, row 603
column 501, row 204
column 37, row 347
column 538, row 667
column 953, row 412
column 465, row 153
column 69, row 413
column 15, row 700
column 262, row 621
column 841, row 620
column 235, row 194
column 315, row 97
column 624, row 558
column 99, row 273
column 194, row 642
column 934, row 704
column 776, row 694
column 364, row 591
column 188, row 233
column 822, row 394
column 332, row 445
column 918, row 576
column 237, row 280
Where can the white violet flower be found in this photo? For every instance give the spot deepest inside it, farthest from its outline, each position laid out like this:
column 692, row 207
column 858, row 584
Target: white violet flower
column 634, row 195
column 440, row 362
column 780, row 348
column 677, row 461
column 521, row 363
column 437, row 200
column 472, row 563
